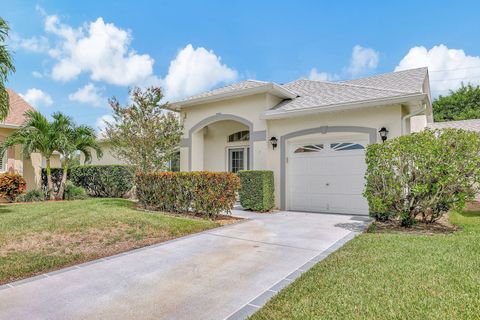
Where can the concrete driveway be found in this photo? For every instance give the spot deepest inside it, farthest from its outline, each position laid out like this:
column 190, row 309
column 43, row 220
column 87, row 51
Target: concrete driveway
column 223, row 273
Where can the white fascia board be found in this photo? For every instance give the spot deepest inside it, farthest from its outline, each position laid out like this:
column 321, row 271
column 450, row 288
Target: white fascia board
column 267, row 88
column 273, row 114
column 10, row 126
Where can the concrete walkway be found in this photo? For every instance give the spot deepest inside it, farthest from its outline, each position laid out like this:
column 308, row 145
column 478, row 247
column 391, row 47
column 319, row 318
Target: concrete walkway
column 223, row 273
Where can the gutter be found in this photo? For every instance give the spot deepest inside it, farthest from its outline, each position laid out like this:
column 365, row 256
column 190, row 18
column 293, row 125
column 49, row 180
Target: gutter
column 10, row 126
column 423, row 108
column 273, row 114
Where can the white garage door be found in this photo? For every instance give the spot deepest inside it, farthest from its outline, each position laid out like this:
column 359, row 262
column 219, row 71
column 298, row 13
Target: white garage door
column 327, row 177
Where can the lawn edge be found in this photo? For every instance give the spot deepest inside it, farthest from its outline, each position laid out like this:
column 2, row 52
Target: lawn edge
column 72, row 267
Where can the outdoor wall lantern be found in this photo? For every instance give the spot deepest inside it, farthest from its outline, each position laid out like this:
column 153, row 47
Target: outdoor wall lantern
column 383, row 133
column 273, row 142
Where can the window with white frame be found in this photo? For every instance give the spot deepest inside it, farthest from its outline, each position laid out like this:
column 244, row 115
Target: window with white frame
column 3, row 162
column 238, row 159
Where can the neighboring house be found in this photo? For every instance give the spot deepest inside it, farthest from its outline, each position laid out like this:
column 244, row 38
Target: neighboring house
column 311, row 134
column 471, row 125
column 109, row 157
column 14, row 160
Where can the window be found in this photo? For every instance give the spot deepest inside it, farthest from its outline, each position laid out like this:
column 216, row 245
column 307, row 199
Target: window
column 346, row 146
column 309, row 148
column 238, row 159
column 239, row 136
column 174, row 164
column 3, row 162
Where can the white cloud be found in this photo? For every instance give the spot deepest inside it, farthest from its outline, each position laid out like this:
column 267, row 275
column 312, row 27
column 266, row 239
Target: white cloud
column 363, row 59
column 33, row 44
column 37, row 74
column 100, row 49
column 101, row 124
column 448, row 68
column 322, row 76
column 37, row 98
column 194, row 70
column 89, row 94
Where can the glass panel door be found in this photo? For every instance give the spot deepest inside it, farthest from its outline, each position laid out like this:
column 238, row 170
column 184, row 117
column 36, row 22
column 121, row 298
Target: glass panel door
column 236, row 161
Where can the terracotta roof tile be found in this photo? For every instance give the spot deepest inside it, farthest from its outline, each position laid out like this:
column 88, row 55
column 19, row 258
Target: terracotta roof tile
column 18, row 107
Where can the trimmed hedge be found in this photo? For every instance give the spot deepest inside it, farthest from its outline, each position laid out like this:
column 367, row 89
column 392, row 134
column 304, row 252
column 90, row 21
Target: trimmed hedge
column 200, row 192
column 257, row 190
column 107, row 181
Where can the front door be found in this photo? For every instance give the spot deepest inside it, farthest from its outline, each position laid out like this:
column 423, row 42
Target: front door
column 238, row 159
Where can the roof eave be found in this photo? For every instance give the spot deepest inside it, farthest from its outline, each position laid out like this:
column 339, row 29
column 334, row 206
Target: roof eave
column 267, row 88
column 10, row 126
column 272, row 114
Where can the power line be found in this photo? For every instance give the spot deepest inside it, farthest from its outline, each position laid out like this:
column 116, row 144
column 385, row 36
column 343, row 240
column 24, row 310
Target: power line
column 466, row 68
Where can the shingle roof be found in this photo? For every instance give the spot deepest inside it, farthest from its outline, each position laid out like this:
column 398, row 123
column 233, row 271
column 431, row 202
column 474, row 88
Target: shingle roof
column 18, row 107
column 305, row 94
column 322, row 94
column 410, row 81
column 471, row 125
column 247, row 84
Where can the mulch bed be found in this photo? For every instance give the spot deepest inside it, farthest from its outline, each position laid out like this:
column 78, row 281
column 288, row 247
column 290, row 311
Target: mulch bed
column 441, row 226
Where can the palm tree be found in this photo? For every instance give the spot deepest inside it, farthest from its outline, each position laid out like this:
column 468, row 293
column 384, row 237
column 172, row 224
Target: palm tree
column 74, row 139
column 6, row 66
column 38, row 135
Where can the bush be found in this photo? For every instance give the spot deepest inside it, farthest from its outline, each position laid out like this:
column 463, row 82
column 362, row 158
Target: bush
column 110, row 181
column 206, row 193
column 73, row 192
column 422, row 175
column 12, row 185
column 31, row 196
column 257, row 190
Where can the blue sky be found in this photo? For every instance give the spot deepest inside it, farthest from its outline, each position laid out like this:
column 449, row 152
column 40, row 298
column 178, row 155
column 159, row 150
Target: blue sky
column 72, row 55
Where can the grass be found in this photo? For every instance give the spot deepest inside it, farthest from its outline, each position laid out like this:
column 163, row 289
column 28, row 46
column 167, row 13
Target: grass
column 391, row 276
column 40, row 237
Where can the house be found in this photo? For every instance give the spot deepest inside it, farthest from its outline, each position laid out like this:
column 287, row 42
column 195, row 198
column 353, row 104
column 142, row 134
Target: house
column 14, row 160
column 470, row 125
column 311, row 134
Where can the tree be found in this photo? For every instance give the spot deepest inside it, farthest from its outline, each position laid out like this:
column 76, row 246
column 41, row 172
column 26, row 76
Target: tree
column 38, row 135
column 6, row 66
column 145, row 133
column 74, row 139
column 462, row 104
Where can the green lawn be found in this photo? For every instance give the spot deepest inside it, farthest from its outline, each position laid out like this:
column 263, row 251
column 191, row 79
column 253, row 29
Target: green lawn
column 39, row 237
column 391, row 276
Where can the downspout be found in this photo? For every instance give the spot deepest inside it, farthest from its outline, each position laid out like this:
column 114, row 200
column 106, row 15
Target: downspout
column 412, row 114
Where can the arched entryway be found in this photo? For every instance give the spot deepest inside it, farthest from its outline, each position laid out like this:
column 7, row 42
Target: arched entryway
column 222, row 142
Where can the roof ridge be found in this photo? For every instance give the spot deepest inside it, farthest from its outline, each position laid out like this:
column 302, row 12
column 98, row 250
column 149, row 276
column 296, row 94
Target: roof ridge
column 384, row 73
column 353, row 85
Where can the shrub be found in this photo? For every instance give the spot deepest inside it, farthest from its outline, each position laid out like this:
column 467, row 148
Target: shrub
column 73, row 192
column 12, row 185
column 111, row 181
column 422, row 175
column 31, row 196
column 257, row 190
column 206, row 193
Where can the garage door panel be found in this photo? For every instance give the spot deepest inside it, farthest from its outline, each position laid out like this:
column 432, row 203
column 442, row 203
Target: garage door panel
column 327, row 181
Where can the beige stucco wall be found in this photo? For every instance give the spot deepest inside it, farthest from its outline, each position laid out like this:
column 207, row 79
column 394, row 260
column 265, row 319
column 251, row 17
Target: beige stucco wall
column 249, row 108
column 374, row 117
column 209, row 145
column 107, row 158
